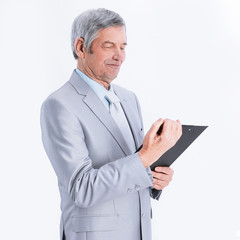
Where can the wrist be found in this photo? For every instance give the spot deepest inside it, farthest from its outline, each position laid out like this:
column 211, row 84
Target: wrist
column 144, row 159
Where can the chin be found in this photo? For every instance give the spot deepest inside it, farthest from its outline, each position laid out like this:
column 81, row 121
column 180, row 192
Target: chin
column 109, row 79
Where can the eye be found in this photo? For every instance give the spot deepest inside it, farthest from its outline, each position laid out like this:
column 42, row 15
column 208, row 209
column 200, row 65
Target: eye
column 107, row 45
column 123, row 47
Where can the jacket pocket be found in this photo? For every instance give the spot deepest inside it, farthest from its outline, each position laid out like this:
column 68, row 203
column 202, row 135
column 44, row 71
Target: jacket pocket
column 94, row 223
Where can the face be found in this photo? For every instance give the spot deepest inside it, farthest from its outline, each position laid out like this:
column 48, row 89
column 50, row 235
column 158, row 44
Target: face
column 107, row 55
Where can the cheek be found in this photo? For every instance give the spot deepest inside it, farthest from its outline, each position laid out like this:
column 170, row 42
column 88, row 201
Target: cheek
column 96, row 63
column 123, row 58
column 100, row 60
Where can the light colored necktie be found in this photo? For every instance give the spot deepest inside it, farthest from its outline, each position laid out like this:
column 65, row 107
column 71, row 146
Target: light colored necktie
column 118, row 115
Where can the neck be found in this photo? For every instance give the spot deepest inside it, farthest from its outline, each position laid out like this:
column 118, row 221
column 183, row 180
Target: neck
column 101, row 82
column 91, row 75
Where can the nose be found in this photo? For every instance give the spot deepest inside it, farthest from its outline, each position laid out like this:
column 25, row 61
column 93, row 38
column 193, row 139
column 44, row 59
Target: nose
column 119, row 54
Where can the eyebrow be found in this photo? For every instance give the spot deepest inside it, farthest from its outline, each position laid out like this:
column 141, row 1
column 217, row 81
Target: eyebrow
column 109, row 42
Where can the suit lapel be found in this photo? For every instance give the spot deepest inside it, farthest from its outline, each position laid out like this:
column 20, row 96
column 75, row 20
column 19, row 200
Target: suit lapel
column 97, row 107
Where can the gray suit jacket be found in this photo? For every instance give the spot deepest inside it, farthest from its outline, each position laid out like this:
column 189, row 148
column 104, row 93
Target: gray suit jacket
column 105, row 190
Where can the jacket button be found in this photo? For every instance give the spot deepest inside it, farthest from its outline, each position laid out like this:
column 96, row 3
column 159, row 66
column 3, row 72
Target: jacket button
column 143, row 215
column 137, row 188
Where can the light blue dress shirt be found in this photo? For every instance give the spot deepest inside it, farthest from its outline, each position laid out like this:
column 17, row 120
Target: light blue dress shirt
column 97, row 88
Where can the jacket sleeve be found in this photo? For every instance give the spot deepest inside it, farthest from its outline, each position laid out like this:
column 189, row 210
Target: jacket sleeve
column 64, row 142
column 154, row 193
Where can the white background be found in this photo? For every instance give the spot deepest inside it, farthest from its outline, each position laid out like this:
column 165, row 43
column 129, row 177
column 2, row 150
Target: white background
column 183, row 61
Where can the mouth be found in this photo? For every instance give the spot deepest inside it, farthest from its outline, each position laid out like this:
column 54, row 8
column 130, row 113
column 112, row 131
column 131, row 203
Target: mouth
column 114, row 65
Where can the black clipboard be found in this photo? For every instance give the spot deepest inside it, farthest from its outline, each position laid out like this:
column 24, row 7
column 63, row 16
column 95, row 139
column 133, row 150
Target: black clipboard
column 189, row 134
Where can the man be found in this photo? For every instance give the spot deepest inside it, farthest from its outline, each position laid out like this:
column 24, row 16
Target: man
column 91, row 130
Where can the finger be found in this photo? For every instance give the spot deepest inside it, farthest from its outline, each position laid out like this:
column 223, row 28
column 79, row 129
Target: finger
column 158, row 175
column 179, row 125
column 162, row 177
column 160, row 182
column 157, row 187
column 154, row 128
column 166, row 170
column 166, row 125
column 180, row 129
column 170, row 126
column 160, row 185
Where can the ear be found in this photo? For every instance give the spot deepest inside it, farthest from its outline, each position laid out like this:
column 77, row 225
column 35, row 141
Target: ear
column 79, row 47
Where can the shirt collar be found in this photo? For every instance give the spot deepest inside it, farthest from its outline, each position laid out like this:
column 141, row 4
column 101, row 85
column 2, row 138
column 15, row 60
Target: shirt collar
column 96, row 87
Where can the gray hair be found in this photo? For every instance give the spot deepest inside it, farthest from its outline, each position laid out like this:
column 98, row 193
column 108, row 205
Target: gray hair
column 88, row 23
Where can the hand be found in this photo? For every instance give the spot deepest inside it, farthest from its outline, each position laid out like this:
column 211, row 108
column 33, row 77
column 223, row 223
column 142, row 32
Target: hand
column 162, row 176
column 154, row 145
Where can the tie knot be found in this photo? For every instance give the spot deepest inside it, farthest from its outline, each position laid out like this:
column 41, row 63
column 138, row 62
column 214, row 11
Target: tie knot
column 111, row 97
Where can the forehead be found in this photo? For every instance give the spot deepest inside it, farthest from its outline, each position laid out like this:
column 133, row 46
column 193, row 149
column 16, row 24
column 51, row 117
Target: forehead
column 115, row 34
